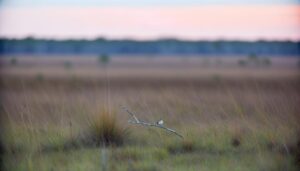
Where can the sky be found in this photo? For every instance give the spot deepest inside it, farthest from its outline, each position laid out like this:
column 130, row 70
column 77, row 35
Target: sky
column 31, row 3
column 145, row 19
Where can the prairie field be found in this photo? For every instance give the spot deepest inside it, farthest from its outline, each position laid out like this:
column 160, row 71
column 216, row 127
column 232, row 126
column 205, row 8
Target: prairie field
column 234, row 113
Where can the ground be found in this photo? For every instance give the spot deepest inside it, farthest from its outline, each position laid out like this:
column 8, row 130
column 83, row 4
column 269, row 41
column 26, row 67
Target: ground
column 233, row 115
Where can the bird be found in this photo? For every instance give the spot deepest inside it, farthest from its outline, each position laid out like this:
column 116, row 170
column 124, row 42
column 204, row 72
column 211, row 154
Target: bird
column 160, row 122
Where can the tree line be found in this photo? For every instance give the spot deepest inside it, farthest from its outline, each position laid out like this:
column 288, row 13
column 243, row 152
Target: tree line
column 32, row 46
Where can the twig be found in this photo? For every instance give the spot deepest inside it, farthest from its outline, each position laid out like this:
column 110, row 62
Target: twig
column 286, row 149
column 139, row 122
column 131, row 114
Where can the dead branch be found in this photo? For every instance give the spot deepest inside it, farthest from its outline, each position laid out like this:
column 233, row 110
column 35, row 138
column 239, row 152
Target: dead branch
column 140, row 122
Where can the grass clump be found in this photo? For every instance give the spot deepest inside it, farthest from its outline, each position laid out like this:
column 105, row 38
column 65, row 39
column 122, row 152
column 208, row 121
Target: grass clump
column 106, row 130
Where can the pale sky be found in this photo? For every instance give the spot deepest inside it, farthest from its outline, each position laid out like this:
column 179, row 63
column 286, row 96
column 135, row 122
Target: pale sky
column 31, row 3
column 140, row 19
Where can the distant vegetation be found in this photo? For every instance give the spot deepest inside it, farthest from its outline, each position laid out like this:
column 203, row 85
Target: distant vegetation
column 39, row 77
column 156, row 47
column 103, row 59
column 13, row 61
column 68, row 64
column 242, row 62
column 254, row 60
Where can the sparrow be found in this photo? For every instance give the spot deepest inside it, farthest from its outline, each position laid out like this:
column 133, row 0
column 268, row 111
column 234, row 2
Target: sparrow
column 160, row 122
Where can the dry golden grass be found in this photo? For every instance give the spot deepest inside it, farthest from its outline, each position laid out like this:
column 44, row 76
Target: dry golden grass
column 219, row 109
column 105, row 129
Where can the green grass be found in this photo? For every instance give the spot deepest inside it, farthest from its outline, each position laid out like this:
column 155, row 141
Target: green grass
column 209, row 149
column 149, row 158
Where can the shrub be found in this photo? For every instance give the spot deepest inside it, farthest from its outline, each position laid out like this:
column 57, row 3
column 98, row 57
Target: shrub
column 242, row 62
column 13, row 61
column 40, row 77
column 266, row 62
column 235, row 142
column 103, row 59
column 252, row 57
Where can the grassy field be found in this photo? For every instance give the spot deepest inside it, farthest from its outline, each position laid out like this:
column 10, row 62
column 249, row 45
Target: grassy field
column 236, row 114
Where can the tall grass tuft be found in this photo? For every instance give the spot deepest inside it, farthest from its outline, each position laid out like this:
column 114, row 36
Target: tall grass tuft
column 106, row 130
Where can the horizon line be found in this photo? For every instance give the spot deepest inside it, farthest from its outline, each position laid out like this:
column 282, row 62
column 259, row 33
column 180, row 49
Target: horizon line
column 149, row 40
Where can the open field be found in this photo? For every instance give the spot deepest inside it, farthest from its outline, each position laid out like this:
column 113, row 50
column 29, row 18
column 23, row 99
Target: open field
column 234, row 115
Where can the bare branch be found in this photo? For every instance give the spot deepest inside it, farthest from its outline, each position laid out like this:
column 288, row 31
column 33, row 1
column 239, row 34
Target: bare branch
column 131, row 114
column 139, row 122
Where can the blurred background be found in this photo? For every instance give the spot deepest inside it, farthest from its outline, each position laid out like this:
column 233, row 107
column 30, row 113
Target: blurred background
column 224, row 74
